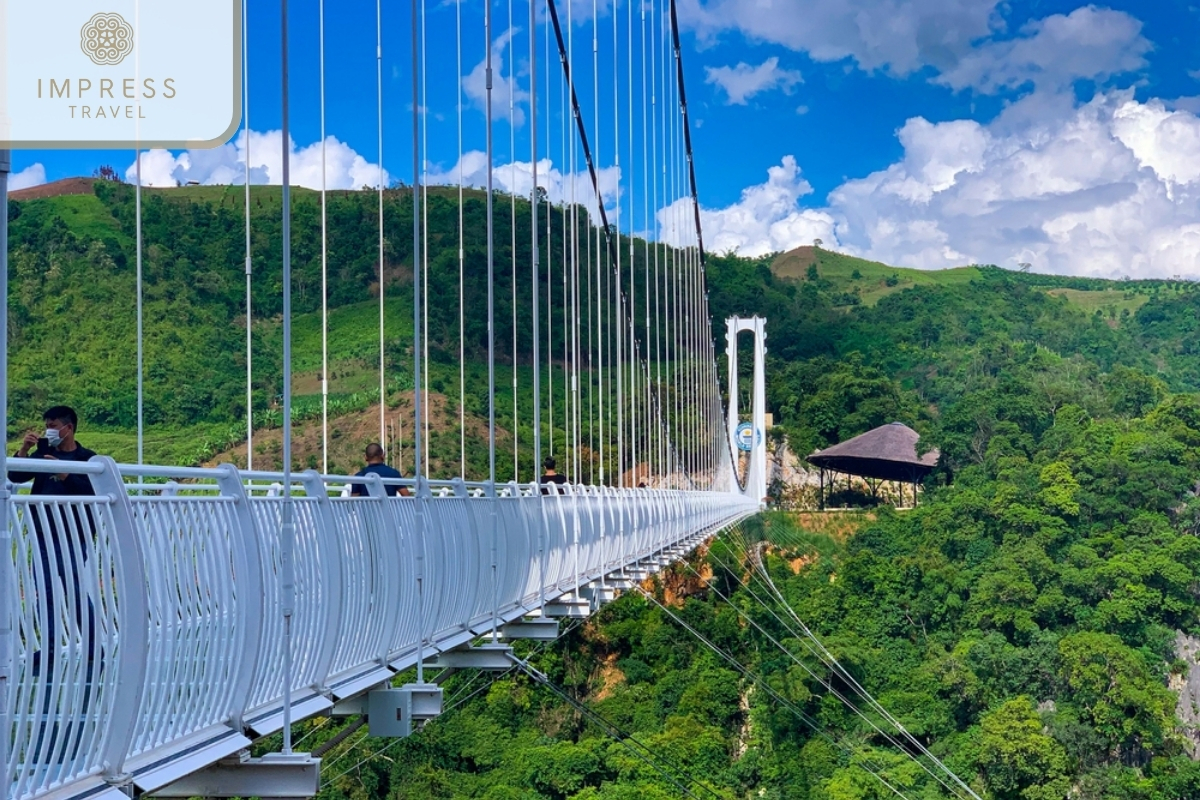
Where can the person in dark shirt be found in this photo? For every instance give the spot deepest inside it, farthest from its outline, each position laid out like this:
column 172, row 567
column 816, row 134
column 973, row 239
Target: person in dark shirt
column 54, row 531
column 550, row 476
column 375, row 465
column 59, row 445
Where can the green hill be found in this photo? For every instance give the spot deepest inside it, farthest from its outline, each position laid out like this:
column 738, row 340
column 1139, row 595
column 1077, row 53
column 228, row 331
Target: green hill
column 858, row 280
column 868, row 280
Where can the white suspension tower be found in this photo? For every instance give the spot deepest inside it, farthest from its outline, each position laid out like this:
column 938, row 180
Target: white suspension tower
column 756, row 475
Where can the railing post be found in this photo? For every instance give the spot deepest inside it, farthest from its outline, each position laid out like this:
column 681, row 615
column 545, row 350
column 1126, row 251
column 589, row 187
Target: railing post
column 389, row 541
column 571, row 491
column 252, row 600
column 333, row 574
column 421, row 496
column 128, row 674
column 540, row 515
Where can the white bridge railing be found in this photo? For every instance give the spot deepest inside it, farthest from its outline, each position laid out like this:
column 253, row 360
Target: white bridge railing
column 145, row 625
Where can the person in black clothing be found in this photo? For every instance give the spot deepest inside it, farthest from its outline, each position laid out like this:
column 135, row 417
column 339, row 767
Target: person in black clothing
column 550, row 476
column 376, row 466
column 57, row 444
column 54, row 530
column 54, row 533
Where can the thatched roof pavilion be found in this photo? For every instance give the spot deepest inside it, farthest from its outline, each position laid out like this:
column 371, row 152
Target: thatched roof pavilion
column 887, row 453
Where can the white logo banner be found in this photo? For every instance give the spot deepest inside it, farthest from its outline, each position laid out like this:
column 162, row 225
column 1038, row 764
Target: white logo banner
column 119, row 73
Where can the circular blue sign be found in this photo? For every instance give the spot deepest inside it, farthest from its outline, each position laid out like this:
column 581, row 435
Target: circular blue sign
column 745, row 437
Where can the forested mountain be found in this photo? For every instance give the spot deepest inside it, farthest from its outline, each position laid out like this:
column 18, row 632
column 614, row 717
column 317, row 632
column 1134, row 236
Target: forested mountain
column 1023, row 623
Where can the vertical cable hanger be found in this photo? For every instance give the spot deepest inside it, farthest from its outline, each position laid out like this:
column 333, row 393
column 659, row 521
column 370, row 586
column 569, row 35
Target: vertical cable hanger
column 382, row 274
column 659, row 339
column 287, row 519
column 512, row 200
column 424, row 116
column 535, row 269
column 589, row 362
column 571, row 311
column 568, row 327
column 324, row 262
column 622, row 380
column 690, row 166
column 137, row 69
column 491, row 325
column 549, row 253
column 491, row 268
column 420, row 488
column 462, row 375
column 564, row 57
column 597, row 371
column 246, row 179
column 140, row 346
column 650, row 449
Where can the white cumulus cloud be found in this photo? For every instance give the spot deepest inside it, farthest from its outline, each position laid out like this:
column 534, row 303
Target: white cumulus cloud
column 744, row 81
column 1090, row 42
column 766, row 219
column 965, row 43
column 1108, row 188
column 33, row 175
column 344, row 168
column 517, row 178
column 507, row 96
column 901, row 36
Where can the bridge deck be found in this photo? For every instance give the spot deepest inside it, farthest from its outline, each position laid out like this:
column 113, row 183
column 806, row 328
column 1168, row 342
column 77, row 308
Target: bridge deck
column 146, row 631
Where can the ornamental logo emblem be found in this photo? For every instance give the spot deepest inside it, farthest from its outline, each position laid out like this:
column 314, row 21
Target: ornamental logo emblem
column 106, row 39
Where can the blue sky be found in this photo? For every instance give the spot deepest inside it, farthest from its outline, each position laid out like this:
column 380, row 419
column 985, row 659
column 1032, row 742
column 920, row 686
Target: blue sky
column 926, row 133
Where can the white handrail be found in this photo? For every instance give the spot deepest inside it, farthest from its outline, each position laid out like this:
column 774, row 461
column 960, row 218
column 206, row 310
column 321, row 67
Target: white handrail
column 169, row 594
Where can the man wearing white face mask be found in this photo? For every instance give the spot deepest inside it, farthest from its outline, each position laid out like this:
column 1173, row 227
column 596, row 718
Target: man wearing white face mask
column 65, row 536
column 59, row 444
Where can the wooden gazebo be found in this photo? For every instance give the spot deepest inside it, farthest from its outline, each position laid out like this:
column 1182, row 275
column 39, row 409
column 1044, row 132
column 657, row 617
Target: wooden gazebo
column 887, row 453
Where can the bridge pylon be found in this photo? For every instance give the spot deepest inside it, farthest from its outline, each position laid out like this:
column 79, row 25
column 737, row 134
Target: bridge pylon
column 749, row 437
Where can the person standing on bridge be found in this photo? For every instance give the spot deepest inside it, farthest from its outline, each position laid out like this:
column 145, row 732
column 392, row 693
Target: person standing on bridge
column 550, row 476
column 376, row 466
column 53, row 526
column 57, row 444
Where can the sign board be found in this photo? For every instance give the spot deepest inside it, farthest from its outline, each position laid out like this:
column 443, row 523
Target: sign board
column 745, row 437
column 119, row 73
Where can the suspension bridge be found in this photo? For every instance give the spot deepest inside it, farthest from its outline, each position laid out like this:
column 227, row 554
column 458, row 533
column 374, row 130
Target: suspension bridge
column 154, row 629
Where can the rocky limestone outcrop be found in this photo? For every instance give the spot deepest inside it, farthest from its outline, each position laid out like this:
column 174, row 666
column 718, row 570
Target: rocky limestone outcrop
column 1187, row 686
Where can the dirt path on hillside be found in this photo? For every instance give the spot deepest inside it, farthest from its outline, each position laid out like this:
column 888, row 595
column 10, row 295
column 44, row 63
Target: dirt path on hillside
column 349, row 434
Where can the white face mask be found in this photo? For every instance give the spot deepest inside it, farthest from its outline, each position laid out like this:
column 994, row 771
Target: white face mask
column 53, row 437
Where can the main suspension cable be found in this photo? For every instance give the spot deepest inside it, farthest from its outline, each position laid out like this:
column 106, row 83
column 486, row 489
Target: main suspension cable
column 817, row 649
column 812, row 724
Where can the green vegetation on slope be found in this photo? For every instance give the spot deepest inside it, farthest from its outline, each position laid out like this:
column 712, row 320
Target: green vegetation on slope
column 1021, row 622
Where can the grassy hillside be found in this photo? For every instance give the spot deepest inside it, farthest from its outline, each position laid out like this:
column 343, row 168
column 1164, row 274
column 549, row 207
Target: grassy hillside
column 869, row 280
column 859, row 281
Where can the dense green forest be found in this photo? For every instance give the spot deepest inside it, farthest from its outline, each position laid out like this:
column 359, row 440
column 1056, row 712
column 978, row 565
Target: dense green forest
column 1022, row 623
